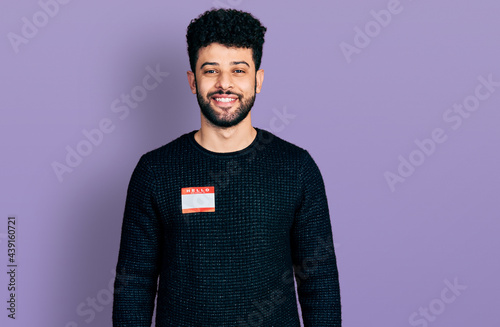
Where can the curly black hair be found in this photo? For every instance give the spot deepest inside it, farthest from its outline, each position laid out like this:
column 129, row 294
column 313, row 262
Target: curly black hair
column 229, row 27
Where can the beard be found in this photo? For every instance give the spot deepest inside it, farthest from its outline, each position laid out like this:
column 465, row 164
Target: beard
column 225, row 119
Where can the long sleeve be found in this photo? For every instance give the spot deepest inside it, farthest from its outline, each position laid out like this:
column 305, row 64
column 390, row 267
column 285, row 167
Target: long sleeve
column 231, row 266
column 138, row 259
column 313, row 253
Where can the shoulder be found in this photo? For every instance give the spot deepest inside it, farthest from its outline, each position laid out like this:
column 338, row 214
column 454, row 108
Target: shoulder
column 281, row 148
column 290, row 155
column 170, row 151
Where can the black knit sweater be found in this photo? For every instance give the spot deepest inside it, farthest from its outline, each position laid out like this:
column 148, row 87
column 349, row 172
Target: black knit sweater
column 252, row 217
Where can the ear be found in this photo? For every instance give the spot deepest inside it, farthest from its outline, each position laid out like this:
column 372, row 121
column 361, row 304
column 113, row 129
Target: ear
column 192, row 81
column 259, row 78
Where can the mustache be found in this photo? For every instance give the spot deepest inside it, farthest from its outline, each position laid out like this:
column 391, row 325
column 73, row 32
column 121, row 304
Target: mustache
column 223, row 92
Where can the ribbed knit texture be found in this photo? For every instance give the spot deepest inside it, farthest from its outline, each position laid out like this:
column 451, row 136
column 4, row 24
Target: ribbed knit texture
column 234, row 266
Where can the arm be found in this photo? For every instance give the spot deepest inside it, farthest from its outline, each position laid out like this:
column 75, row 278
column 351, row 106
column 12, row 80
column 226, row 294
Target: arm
column 138, row 259
column 313, row 253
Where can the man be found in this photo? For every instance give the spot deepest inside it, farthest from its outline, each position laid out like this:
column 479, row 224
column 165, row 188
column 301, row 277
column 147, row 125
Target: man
column 225, row 215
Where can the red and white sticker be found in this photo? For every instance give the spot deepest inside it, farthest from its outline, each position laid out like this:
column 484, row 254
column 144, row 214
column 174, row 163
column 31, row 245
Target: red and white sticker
column 198, row 199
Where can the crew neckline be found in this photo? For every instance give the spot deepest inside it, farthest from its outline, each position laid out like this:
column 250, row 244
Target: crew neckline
column 238, row 153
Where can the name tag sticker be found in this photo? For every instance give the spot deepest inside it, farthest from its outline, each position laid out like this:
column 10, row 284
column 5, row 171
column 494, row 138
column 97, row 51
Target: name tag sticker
column 198, row 199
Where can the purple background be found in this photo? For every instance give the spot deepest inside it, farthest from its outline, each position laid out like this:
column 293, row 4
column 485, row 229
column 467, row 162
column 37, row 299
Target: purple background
column 397, row 249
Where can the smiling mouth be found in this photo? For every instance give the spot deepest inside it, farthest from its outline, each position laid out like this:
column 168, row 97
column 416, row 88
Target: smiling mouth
column 224, row 101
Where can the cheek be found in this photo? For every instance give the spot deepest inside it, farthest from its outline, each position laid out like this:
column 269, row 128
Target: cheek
column 206, row 84
column 203, row 88
column 247, row 86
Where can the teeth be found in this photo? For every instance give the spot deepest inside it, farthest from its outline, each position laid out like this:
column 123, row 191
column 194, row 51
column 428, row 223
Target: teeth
column 225, row 99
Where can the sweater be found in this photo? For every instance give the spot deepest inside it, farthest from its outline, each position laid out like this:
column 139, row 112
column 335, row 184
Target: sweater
column 220, row 239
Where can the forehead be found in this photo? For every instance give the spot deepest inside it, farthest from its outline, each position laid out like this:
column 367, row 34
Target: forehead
column 221, row 54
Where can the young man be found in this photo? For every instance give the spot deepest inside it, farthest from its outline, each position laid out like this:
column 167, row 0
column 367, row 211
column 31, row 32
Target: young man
column 225, row 215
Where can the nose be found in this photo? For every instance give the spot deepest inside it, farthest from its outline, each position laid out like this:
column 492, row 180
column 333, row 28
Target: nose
column 224, row 81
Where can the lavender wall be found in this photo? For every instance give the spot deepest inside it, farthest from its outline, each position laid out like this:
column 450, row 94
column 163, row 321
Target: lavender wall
column 397, row 101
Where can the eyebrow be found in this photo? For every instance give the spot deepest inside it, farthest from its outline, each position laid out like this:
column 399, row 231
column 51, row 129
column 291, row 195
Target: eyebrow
column 233, row 63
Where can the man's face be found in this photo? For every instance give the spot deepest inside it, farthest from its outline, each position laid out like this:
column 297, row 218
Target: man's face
column 225, row 83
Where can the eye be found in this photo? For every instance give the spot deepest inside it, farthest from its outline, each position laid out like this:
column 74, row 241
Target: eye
column 239, row 71
column 210, row 71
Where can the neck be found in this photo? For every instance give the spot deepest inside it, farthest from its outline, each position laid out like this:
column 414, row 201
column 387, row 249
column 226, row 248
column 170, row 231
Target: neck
column 230, row 139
